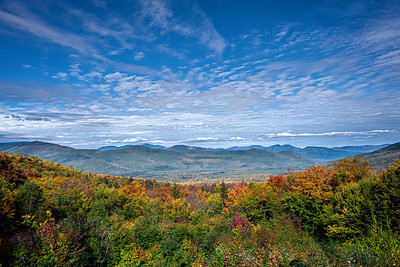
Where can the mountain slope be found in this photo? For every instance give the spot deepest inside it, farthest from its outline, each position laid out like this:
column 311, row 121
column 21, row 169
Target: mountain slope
column 39, row 149
column 384, row 157
column 318, row 154
column 360, row 149
column 323, row 154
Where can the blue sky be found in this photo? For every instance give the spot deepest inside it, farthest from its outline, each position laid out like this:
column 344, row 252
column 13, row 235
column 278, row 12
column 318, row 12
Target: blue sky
column 211, row 73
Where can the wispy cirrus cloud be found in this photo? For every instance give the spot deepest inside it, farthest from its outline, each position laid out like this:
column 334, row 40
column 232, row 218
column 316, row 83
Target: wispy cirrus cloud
column 322, row 82
column 28, row 22
column 159, row 13
column 90, row 43
column 201, row 27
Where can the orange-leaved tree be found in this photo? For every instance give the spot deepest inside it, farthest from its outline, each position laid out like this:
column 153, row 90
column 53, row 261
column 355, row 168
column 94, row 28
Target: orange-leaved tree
column 234, row 197
column 314, row 181
column 137, row 199
column 349, row 170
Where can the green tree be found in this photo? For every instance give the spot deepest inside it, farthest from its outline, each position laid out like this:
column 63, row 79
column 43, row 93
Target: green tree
column 345, row 214
column 31, row 201
column 306, row 208
column 386, row 196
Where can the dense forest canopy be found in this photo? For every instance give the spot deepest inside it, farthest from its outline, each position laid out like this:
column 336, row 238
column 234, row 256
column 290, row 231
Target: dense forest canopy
column 52, row 215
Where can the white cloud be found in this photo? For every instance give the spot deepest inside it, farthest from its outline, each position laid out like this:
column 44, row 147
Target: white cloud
column 289, row 134
column 111, row 77
column 61, row 75
column 381, row 131
column 281, row 34
column 236, row 138
column 111, row 141
column 90, row 76
column 164, row 48
column 139, row 56
column 158, row 11
column 203, row 139
column 210, row 36
column 133, row 140
column 157, row 142
column 75, row 68
column 214, row 140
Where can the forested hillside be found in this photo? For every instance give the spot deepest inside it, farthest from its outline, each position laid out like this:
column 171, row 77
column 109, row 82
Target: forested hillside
column 52, row 215
column 383, row 158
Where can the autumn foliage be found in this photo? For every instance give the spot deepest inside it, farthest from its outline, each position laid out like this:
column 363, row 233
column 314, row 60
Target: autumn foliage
column 52, row 215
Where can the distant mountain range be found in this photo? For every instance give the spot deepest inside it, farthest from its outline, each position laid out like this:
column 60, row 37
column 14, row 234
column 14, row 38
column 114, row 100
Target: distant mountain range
column 317, row 154
column 154, row 161
column 142, row 161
